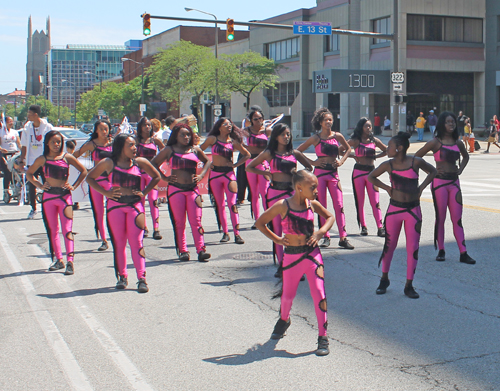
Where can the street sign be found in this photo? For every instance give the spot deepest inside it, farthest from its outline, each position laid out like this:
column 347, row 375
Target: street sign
column 398, row 77
column 142, row 108
column 346, row 80
column 312, row 28
column 101, row 113
column 217, row 112
column 217, row 107
column 397, row 87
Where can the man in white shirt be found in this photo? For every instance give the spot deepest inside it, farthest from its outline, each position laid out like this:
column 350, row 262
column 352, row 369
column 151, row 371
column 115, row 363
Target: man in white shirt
column 9, row 145
column 169, row 123
column 32, row 147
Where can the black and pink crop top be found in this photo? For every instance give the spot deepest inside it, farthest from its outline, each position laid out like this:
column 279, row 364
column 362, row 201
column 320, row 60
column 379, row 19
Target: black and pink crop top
column 129, row 178
column 147, row 151
column 298, row 222
column 283, row 163
column 56, row 169
column 366, row 150
column 257, row 140
column 223, row 149
column 447, row 153
column 406, row 180
column 100, row 153
column 328, row 147
column 184, row 161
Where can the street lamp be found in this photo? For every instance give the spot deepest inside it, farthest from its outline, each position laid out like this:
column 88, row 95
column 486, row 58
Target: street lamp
column 216, row 45
column 142, row 80
column 97, row 76
column 70, row 82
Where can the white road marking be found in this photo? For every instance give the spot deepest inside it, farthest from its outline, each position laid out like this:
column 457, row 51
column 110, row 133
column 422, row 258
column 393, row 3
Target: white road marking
column 64, row 356
column 121, row 360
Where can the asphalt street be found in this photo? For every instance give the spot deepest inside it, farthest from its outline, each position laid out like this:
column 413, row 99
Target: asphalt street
column 207, row 326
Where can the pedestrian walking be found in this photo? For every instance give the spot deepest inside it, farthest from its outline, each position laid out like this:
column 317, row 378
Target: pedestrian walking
column 125, row 213
column 302, row 254
column 432, row 121
column 492, row 136
column 446, row 192
column 183, row 195
column 420, row 125
column 364, row 146
column 224, row 138
column 10, row 144
column 327, row 143
column 99, row 146
column 467, row 135
column 56, row 200
column 404, row 207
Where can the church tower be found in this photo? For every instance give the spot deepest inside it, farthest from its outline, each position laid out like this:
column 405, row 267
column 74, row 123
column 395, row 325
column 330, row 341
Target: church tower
column 38, row 45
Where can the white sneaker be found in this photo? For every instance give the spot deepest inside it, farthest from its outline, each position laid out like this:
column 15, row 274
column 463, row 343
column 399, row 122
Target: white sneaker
column 32, row 214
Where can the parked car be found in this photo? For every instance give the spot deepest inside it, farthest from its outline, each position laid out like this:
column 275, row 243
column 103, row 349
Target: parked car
column 87, row 128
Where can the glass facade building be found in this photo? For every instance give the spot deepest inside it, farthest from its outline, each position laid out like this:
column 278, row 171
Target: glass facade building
column 81, row 67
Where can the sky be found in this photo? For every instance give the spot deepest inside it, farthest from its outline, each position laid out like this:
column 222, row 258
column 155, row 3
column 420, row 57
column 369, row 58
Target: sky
column 108, row 23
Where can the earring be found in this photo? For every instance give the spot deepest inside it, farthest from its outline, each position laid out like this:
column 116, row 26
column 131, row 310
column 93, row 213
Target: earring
column 397, row 150
column 300, row 190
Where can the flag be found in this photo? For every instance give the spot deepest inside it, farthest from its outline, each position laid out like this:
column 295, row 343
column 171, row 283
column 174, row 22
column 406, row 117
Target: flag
column 125, row 126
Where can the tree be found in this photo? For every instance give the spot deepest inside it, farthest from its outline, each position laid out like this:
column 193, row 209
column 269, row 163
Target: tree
column 247, row 72
column 48, row 110
column 88, row 105
column 183, row 71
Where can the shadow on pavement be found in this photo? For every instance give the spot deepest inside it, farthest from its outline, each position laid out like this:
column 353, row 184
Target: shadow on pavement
column 80, row 292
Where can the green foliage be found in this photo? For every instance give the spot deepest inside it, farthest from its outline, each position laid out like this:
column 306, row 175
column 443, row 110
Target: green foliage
column 48, row 110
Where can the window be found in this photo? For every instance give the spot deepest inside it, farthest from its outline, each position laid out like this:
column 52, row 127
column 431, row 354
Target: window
column 445, row 29
column 382, row 26
column 332, row 43
column 283, row 95
column 283, row 50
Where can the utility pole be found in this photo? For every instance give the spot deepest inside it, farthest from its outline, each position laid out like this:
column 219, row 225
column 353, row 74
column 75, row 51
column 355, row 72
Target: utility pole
column 395, row 65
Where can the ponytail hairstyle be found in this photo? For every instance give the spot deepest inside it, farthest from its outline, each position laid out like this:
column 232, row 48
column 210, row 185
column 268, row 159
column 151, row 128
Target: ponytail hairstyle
column 300, row 176
column 358, row 130
column 48, row 136
column 272, row 146
column 94, row 134
column 319, row 116
column 402, row 139
column 235, row 131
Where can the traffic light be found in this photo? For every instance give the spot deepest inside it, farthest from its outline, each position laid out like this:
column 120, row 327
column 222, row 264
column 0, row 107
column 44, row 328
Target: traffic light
column 146, row 24
column 230, row 30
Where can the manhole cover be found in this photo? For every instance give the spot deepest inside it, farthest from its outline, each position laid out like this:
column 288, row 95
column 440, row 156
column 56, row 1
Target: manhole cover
column 253, row 255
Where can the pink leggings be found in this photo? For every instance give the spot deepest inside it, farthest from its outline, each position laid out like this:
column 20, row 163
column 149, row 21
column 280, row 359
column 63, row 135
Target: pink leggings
column 411, row 214
column 304, row 260
column 258, row 188
column 219, row 183
column 447, row 193
column 330, row 179
column 273, row 196
column 126, row 222
column 152, row 200
column 184, row 199
column 54, row 206
column 97, row 204
column 359, row 183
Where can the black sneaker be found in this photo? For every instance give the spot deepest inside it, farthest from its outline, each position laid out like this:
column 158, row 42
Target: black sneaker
column 122, row 282
column 184, row 257
column 364, row 231
column 146, row 233
column 345, row 244
column 103, row 247
column 203, row 256
column 325, row 242
column 279, row 272
column 441, row 256
column 56, row 265
column 142, row 287
column 465, row 258
column 238, row 239
column 157, row 236
column 225, row 238
column 280, row 328
column 410, row 292
column 70, row 270
column 323, row 349
column 382, row 287
column 381, row 232
column 254, row 227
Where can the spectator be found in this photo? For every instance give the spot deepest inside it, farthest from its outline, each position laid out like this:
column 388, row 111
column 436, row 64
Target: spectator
column 467, row 132
column 492, row 136
column 410, row 122
column 387, row 123
column 420, row 124
column 432, row 121
column 461, row 123
column 497, row 122
column 169, row 123
column 376, row 124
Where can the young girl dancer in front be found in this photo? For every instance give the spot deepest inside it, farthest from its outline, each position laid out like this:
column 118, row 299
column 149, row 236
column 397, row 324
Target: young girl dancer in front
column 56, row 200
column 224, row 138
column 364, row 145
column 446, row 191
column 183, row 193
column 404, row 207
column 302, row 255
column 99, row 147
column 125, row 213
column 282, row 159
column 256, row 143
column 327, row 143
column 147, row 147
